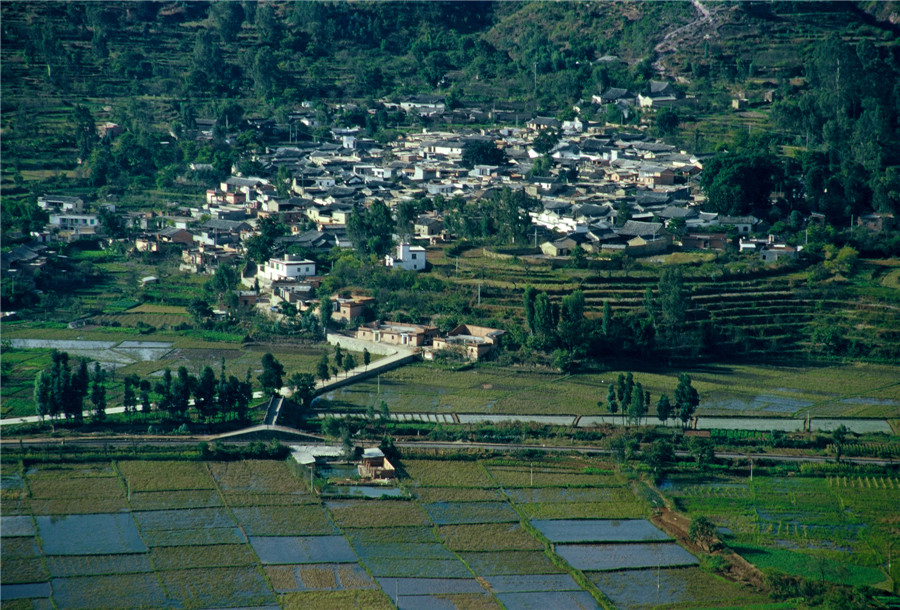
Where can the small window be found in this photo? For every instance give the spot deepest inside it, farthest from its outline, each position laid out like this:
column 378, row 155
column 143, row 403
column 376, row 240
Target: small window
column 414, row 256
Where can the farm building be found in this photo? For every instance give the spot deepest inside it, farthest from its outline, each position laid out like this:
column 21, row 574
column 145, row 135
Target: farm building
column 375, row 466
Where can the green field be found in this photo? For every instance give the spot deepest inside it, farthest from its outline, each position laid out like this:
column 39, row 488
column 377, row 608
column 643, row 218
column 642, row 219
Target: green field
column 848, row 390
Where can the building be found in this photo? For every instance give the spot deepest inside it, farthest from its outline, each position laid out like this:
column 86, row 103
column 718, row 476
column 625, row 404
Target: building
column 71, row 222
column 411, row 258
column 375, row 466
column 290, row 267
column 350, row 309
column 477, row 341
column 393, row 333
column 876, row 223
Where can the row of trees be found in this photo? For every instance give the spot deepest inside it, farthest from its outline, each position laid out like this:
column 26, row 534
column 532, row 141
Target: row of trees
column 630, row 397
column 61, row 391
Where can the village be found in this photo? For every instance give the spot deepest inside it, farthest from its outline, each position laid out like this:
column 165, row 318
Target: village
column 598, row 191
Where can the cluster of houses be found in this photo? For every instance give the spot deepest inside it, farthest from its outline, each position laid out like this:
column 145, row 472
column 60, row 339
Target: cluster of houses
column 599, row 178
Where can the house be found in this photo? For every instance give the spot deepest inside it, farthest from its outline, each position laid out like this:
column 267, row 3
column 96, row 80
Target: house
column 541, row 123
column 72, row 222
column 559, row 247
column 61, row 203
column 395, row 333
column 477, row 341
column 291, row 267
column 644, row 237
column 247, row 298
column 375, row 466
column 743, row 224
column 658, row 94
column 705, row 241
column 411, row 258
column 427, row 226
column 772, row 252
column 876, row 223
column 424, row 105
column 348, row 309
column 218, row 232
column 614, row 95
column 174, row 235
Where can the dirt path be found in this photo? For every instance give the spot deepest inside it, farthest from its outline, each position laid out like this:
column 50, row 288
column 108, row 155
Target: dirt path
column 669, row 43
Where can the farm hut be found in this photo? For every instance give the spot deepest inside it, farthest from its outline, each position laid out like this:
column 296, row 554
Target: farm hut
column 375, row 466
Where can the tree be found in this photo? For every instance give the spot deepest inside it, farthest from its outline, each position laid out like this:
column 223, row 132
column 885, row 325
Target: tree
column 636, row 407
column 702, row 532
column 482, row 153
column 620, row 388
column 98, row 393
column 687, row 399
column 271, row 378
column 200, row 311
column 346, row 441
column 611, row 403
column 42, row 393
column 703, row 451
column 323, row 368
column 667, row 121
column 205, row 394
column 663, row 408
column 129, row 397
column 659, row 456
column 545, row 141
column 736, row 183
column 607, row 319
column 370, row 229
column 571, row 322
column 85, row 131
column 367, row 358
column 182, row 387
column 385, row 412
column 303, row 386
column 673, row 305
column 349, row 363
column 338, row 357
column 837, row 438
column 163, row 389
column 529, row 297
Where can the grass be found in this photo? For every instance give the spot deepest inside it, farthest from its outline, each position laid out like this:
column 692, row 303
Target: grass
column 510, row 562
column 256, row 476
column 216, row 587
column 302, row 520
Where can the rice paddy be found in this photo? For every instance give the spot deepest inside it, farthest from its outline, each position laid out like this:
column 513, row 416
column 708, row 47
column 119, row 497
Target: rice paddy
column 471, row 534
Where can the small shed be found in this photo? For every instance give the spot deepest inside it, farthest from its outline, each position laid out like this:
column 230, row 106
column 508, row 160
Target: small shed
column 375, row 466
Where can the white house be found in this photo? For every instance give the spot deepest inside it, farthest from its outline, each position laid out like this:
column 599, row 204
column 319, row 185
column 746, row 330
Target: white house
column 73, row 221
column 291, row 267
column 411, row 258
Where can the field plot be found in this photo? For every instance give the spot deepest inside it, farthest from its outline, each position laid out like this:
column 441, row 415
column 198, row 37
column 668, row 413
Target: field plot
column 302, row 520
column 194, row 537
column 165, row 476
column 430, row 495
column 524, row 476
column 118, row 591
column 174, row 500
column 812, row 567
column 436, row 593
column 70, row 491
column 389, row 535
column 97, row 534
column 488, row 537
column 194, row 518
column 98, row 565
column 306, row 549
column 854, row 390
column 532, row 582
column 362, row 513
column 217, row 587
column 319, row 577
column 329, row 600
column 428, row 473
column 602, row 557
column 638, row 588
column 588, row 530
column 257, row 477
column 16, row 525
column 621, row 505
column 457, row 513
column 214, row 556
column 547, row 599
column 510, row 563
